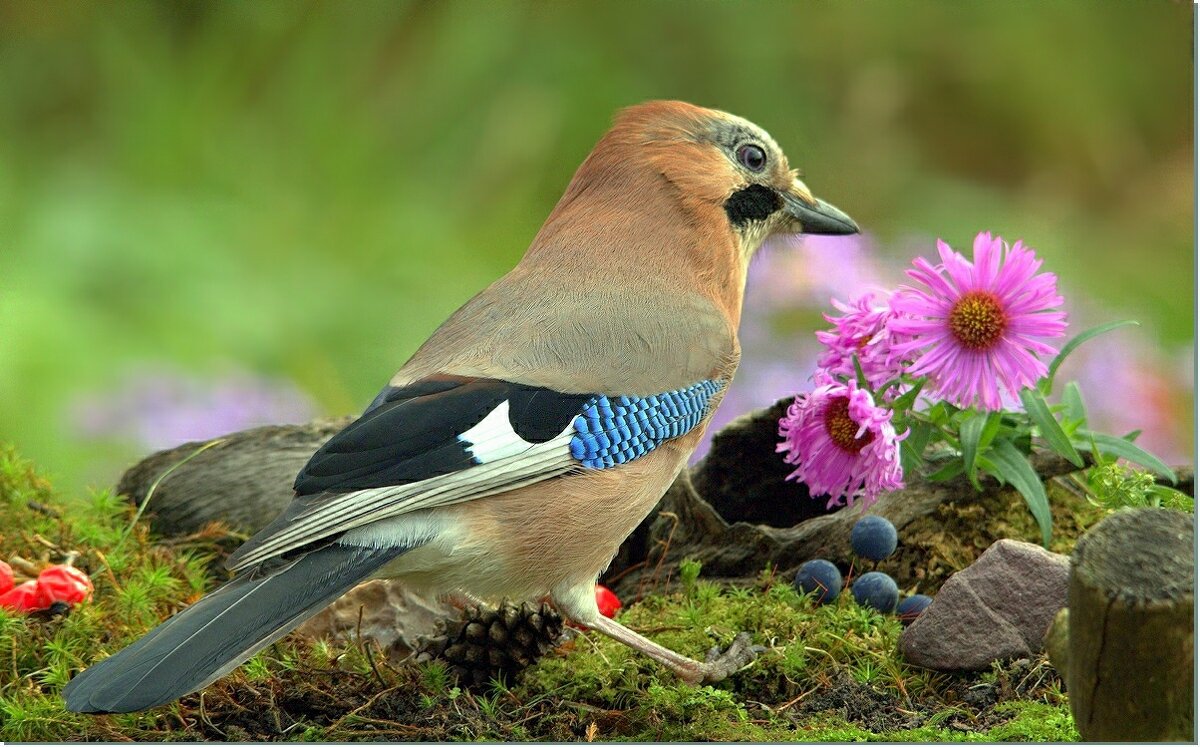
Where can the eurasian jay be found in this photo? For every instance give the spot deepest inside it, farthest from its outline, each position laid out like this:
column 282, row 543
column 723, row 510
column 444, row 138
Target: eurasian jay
column 534, row 430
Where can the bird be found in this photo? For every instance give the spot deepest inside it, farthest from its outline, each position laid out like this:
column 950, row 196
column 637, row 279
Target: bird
column 534, row 430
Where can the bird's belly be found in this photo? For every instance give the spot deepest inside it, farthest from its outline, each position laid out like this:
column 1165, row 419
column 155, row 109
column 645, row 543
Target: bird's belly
column 528, row 543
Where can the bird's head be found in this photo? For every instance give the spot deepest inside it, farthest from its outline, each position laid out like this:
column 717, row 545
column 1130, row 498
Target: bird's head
column 726, row 168
column 686, row 190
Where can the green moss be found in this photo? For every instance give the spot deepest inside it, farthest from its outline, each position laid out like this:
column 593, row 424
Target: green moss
column 1039, row 722
column 829, row 673
column 137, row 584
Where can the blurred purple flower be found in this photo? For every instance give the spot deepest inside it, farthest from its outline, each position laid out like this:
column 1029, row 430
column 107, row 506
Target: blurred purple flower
column 159, row 409
column 806, row 270
column 842, row 443
column 1129, row 385
column 978, row 326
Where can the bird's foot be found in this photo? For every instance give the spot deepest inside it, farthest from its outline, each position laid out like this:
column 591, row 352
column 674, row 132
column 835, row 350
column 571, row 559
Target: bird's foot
column 720, row 664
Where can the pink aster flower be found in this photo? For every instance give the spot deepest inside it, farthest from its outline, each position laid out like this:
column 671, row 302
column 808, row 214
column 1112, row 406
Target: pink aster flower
column 978, row 326
column 862, row 330
column 842, row 443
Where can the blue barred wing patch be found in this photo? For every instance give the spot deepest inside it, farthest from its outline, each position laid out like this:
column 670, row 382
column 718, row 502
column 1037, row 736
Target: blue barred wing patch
column 614, row 430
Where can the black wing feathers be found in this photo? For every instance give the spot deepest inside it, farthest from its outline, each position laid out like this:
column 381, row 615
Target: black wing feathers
column 538, row 415
column 411, row 433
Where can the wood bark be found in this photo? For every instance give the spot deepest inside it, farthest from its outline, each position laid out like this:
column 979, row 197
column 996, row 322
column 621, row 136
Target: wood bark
column 1130, row 669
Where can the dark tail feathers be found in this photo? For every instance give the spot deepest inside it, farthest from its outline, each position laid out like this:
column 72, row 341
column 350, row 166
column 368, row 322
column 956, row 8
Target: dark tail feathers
column 222, row 630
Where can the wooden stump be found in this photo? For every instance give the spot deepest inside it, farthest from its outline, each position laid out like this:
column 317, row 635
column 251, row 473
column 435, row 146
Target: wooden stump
column 1132, row 640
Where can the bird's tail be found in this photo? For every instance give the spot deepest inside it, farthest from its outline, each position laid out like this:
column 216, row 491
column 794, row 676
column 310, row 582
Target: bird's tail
column 223, row 629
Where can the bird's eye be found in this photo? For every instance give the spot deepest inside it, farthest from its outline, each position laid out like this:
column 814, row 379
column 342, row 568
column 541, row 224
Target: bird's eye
column 752, row 157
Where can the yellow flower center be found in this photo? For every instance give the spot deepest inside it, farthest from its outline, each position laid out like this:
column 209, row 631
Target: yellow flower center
column 841, row 427
column 977, row 320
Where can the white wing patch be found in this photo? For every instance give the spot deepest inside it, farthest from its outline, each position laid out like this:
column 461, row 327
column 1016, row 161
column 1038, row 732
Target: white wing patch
column 494, row 438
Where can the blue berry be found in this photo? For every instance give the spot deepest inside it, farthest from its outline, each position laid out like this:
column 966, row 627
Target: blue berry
column 877, row 591
column 820, row 578
column 873, row 538
column 911, row 608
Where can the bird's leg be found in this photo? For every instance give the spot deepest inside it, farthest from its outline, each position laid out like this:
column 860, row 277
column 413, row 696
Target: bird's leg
column 717, row 667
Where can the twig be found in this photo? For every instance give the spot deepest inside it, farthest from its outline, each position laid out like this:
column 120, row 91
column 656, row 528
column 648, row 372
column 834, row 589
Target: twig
column 23, row 566
column 662, row 629
column 596, row 650
column 108, row 570
column 666, row 548
column 209, row 533
column 370, row 702
column 274, row 709
column 207, row 721
column 47, row 544
column 403, row 731
column 42, row 508
column 636, row 566
column 365, row 649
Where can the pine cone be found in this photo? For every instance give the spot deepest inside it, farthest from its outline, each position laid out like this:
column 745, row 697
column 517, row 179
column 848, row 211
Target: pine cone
column 486, row 644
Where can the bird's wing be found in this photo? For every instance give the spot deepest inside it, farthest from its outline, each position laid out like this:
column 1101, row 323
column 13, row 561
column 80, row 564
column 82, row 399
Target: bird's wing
column 448, row 439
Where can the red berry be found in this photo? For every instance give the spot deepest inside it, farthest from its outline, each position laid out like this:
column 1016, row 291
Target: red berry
column 23, row 598
column 607, row 601
column 63, row 583
column 6, row 577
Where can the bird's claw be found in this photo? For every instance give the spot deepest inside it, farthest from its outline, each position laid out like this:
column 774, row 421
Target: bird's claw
column 718, row 665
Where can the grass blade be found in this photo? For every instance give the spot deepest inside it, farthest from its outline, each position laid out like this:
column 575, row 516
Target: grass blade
column 1123, row 449
column 154, row 486
column 1072, row 397
column 859, row 375
column 1051, row 432
column 1083, row 337
column 969, row 434
column 1012, row 467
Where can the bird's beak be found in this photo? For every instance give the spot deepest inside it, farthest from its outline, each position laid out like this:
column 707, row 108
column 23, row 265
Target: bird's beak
column 814, row 215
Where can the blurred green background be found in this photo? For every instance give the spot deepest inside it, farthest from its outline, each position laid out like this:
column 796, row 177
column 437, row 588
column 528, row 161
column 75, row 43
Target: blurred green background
column 277, row 202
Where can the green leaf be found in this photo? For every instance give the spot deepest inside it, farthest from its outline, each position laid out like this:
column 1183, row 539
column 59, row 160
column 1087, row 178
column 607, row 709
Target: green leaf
column 918, row 436
column 910, row 459
column 969, row 434
column 1123, row 449
column 898, row 380
column 1078, row 340
column 951, row 469
column 938, row 414
column 859, row 375
column 991, row 430
column 1012, row 466
column 1072, row 398
column 1051, row 432
column 908, row 399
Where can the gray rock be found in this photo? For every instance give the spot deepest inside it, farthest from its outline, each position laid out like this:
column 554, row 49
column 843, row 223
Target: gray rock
column 998, row 608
